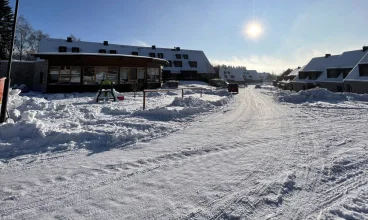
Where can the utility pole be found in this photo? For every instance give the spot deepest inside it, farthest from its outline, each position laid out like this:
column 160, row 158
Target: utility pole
column 4, row 103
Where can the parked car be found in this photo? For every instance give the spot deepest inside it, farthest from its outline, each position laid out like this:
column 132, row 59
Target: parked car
column 218, row 83
column 258, row 86
column 233, row 88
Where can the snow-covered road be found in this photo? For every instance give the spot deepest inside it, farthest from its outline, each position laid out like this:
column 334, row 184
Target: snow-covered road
column 256, row 159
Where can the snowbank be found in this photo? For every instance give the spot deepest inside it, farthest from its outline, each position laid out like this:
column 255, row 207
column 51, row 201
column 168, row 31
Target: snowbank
column 317, row 94
column 57, row 122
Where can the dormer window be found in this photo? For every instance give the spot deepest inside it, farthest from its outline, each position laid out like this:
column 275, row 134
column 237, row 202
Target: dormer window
column 363, row 69
column 178, row 64
column 102, row 51
column 302, row 75
column 178, row 56
column 185, row 56
column 152, row 54
column 112, row 51
column 160, row 55
column 345, row 72
column 169, row 64
column 75, row 49
column 193, row 64
column 62, row 49
column 333, row 73
column 135, row 53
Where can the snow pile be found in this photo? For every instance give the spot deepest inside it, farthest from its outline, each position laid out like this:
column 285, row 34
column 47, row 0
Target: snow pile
column 51, row 122
column 317, row 94
column 181, row 107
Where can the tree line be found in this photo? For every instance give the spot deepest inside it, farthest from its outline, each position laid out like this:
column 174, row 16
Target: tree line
column 27, row 39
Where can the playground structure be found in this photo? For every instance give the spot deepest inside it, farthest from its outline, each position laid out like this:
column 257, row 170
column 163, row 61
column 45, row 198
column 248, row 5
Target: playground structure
column 107, row 91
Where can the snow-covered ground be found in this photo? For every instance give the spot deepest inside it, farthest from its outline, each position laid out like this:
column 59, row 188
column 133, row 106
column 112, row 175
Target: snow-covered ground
column 261, row 154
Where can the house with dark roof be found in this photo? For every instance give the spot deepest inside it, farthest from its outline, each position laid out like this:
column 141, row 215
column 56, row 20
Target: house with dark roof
column 332, row 78
column 357, row 79
column 306, row 78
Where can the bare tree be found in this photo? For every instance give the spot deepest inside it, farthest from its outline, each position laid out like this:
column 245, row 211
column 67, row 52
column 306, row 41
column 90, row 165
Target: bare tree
column 74, row 38
column 35, row 40
column 23, row 37
column 136, row 87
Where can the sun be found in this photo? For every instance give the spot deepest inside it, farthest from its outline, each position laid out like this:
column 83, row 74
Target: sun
column 253, row 30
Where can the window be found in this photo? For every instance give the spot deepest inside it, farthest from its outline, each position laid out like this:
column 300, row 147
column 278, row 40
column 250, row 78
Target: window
column 75, row 49
column 193, row 64
column 169, row 64
column 141, row 72
column 178, row 56
column 62, row 49
column 345, row 72
column 102, row 51
column 178, row 64
column 112, row 74
column 333, row 73
column 135, row 53
column 89, row 76
column 112, row 51
column 185, row 56
column 160, row 55
column 363, row 69
column 101, row 72
column 232, row 76
column 133, row 74
column 153, row 74
column 75, row 75
column 314, row 75
column 152, row 54
column 124, row 72
column 64, row 75
column 302, row 75
column 54, row 74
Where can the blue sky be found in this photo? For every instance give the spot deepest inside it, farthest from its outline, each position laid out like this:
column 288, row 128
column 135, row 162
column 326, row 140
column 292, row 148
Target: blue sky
column 294, row 31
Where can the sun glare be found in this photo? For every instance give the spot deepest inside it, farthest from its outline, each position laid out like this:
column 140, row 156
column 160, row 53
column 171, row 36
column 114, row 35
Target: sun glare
column 253, row 30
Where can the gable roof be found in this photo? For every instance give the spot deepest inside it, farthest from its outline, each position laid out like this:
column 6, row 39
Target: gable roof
column 347, row 59
column 354, row 73
column 296, row 71
column 252, row 74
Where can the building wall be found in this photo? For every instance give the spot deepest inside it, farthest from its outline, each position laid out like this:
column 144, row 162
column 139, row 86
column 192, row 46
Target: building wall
column 357, row 87
column 298, row 86
column 330, row 86
column 25, row 72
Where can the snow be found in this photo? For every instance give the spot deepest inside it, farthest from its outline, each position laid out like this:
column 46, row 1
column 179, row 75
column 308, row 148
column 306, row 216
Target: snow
column 256, row 157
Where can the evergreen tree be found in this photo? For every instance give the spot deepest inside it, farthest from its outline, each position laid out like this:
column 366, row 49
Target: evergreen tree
column 6, row 25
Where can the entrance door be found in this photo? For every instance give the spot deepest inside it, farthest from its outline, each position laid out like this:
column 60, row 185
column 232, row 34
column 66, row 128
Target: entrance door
column 349, row 88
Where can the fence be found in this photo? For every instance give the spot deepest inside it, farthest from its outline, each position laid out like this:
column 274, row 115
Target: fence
column 166, row 90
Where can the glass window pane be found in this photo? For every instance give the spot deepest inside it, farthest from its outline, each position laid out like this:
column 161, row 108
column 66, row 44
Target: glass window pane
column 64, row 76
column 75, row 74
column 101, row 73
column 112, row 74
column 153, row 74
column 141, row 72
column 89, row 75
column 124, row 74
column 54, row 74
column 133, row 74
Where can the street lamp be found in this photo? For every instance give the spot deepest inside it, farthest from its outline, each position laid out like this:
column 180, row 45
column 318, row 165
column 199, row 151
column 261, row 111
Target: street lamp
column 4, row 103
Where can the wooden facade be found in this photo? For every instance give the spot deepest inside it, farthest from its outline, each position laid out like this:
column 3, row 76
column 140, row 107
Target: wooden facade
column 73, row 78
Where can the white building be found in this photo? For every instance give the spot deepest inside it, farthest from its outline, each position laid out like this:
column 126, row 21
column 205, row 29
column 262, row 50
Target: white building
column 183, row 64
column 241, row 75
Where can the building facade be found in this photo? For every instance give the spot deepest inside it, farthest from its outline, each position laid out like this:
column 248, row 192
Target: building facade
column 182, row 64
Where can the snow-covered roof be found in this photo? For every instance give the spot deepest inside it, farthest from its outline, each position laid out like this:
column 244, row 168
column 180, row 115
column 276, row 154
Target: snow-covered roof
column 97, row 54
column 354, row 73
column 252, row 75
column 347, row 59
column 203, row 64
column 236, row 73
column 316, row 64
column 296, row 71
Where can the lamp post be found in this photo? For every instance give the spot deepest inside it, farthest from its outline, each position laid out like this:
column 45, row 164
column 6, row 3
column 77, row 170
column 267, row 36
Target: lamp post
column 4, row 103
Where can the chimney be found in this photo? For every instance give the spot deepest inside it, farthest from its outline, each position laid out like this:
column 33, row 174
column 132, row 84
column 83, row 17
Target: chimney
column 106, row 43
column 365, row 48
column 69, row 39
column 153, row 47
column 298, row 67
column 177, row 48
column 327, row 55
